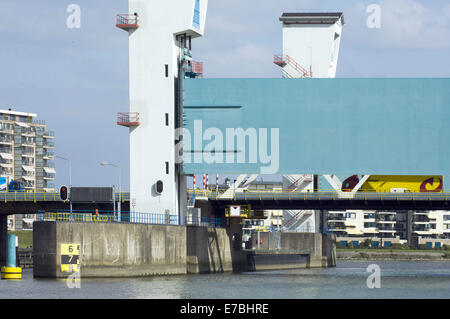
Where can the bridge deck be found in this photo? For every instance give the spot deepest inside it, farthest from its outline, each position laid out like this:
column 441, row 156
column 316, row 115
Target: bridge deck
column 330, row 200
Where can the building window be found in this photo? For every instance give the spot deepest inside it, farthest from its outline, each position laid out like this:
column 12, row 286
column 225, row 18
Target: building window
column 167, row 168
column 167, row 70
column 351, row 215
column 167, row 119
column 196, row 21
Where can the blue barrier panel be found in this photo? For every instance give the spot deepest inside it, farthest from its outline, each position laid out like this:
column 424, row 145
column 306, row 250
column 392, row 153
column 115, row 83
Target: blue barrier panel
column 437, row 245
column 404, row 120
column 387, row 244
column 429, row 245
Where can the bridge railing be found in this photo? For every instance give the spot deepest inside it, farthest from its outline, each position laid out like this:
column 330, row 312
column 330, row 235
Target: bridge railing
column 47, row 196
column 325, row 194
column 127, row 217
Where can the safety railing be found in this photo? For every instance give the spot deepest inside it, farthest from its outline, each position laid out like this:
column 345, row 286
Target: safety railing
column 75, row 217
column 41, row 196
column 283, row 59
column 286, row 194
column 128, row 118
column 193, row 67
column 127, row 20
column 127, row 217
column 108, row 217
column 205, row 221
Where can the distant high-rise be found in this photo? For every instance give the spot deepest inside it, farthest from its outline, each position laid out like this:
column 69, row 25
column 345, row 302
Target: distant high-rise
column 26, row 151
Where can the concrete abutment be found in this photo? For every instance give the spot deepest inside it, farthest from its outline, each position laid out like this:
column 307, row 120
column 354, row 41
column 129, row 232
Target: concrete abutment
column 134, row 250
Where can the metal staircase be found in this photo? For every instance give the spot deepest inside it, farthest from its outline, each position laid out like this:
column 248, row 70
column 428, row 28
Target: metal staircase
column 291, row 69
column 294, row 219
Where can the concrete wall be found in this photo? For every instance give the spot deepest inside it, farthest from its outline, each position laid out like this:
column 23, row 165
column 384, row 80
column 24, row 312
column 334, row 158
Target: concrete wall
column 131, row 250
column 111, row 250
column 210, row 250
column 321, row 248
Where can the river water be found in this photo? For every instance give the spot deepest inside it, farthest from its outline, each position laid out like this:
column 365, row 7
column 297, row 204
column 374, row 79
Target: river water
column 398, row 279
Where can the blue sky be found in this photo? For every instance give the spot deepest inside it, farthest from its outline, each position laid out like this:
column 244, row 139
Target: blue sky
column 77, row 79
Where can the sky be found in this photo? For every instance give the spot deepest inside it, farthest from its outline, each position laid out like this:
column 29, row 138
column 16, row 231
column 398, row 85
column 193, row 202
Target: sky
column 76, row 79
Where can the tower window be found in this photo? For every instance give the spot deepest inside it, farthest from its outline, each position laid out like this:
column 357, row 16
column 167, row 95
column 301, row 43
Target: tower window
column 167, row 168
column 196, row 22
column 167, row 70
column 167, row 119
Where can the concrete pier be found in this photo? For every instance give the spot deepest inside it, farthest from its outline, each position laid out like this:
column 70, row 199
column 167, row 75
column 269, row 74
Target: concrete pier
column 133, row 250
column 3, row 238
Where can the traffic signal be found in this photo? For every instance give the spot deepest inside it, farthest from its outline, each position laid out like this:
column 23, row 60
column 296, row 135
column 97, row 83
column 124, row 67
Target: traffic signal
column 63, row 192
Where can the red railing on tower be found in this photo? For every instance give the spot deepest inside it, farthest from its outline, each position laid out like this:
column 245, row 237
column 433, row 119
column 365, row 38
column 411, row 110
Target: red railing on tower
column 283, row 59
column 193, row 67
column 128, row 119
column 127, row 22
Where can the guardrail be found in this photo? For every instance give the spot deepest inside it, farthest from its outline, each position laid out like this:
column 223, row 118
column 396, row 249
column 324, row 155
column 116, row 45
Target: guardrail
column 127, row 217
column 45, row 196
column 322, row 194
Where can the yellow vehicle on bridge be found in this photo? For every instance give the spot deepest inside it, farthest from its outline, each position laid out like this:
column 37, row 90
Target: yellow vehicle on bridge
column 397, row 184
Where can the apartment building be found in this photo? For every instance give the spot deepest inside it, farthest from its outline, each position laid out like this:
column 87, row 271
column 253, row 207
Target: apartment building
column 26, row 155
column 357, row 225
column 431, row 228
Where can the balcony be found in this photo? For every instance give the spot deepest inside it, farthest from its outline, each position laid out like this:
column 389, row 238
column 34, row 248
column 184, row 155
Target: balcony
column 49, row 176
column 48, row 155
column 49, row 134
column 128, row 119
column 6, row 141
column 193, row 69
column 49, row 144
column 127, row 22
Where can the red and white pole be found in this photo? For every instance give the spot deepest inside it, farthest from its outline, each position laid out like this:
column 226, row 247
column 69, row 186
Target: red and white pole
column 204, row 183
column 207, row 181
column 217, row 181
column 194, row 182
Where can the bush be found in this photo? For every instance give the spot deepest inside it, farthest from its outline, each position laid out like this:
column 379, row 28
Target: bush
column 422, row 246
column 364, row 255
column 350, row 244
column 367, row 243
column 397, row 246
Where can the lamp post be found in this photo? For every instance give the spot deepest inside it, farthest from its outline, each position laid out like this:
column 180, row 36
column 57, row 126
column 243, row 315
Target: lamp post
column 120, row 186
column 70, row 179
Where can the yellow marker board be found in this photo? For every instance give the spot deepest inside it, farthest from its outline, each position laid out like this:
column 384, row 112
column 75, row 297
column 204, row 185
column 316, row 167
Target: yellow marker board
column 70, row 257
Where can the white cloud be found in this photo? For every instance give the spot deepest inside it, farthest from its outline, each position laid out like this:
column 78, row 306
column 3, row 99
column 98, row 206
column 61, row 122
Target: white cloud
column 404, row 24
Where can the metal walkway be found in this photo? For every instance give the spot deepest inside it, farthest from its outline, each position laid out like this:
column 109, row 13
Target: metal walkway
column 329, row 200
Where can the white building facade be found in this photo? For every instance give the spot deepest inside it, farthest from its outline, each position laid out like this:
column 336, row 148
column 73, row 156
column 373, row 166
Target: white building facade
column 160, row 39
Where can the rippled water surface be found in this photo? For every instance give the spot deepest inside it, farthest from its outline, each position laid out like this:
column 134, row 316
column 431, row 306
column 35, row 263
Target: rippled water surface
column 399, row 279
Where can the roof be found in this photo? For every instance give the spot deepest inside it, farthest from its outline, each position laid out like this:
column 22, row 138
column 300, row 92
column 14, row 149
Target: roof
column 2, row 111
column 312, row 17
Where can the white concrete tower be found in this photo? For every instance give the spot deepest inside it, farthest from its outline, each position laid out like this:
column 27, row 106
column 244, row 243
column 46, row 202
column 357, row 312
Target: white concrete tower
column 310, row 49
column 160, row 34
column 312, row 41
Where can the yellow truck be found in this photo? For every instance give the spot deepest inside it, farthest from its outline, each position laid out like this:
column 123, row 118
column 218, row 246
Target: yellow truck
column 397, row 184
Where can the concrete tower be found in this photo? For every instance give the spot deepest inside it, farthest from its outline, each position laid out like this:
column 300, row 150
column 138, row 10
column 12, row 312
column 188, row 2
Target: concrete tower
column 160, row 34
column 310, row 50
column 312, row 41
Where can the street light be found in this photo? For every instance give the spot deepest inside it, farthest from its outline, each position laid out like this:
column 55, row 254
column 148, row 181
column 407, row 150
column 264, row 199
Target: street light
column 120, row 185
column 70, row 178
